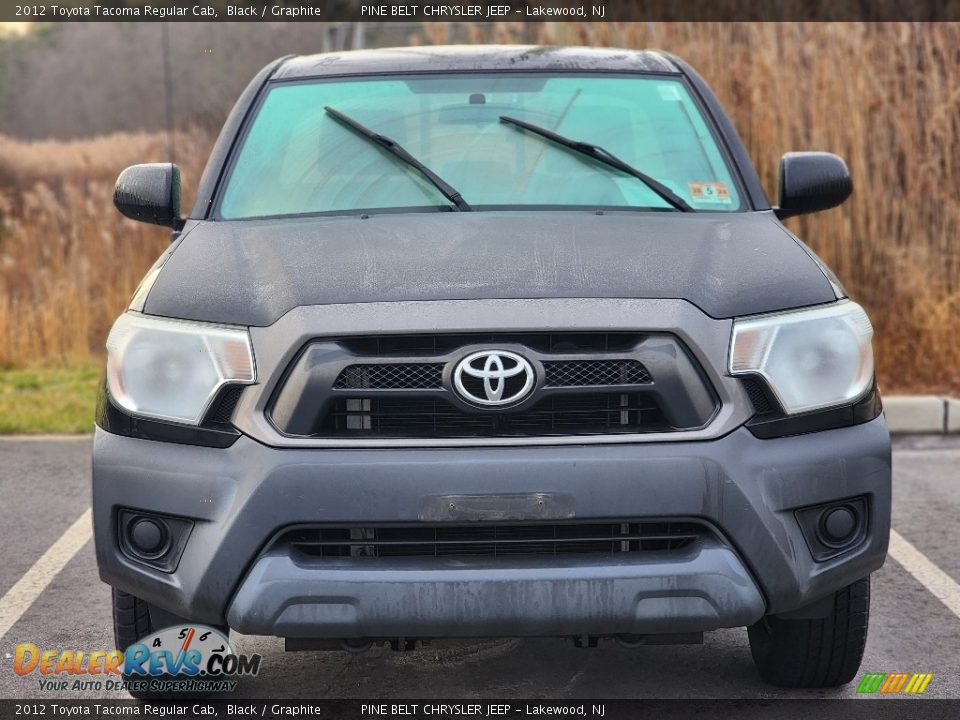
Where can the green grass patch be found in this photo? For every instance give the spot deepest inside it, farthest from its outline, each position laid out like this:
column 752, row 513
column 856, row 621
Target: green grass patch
column 48, row 400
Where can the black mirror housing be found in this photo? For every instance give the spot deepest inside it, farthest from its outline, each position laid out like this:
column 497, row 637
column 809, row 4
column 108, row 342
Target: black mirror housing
column 812, row 181
column 150, row 193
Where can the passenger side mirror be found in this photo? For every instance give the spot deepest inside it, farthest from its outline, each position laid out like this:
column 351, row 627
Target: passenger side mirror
column 150, row 193
column 812, row 181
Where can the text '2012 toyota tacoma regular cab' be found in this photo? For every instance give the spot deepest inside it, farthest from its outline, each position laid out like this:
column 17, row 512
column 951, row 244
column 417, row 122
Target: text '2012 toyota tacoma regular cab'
column 486, row 342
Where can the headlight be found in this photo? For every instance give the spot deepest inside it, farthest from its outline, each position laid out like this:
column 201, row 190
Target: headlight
column 810, row 358
column 172, row 369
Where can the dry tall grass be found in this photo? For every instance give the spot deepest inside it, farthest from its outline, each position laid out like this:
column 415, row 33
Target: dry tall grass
column 886, row 97
column 68, row 260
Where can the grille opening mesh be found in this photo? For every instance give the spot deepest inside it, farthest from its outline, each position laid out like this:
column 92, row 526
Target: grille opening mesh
column 597, row 538
column 428, row 376
column 759, row 395
column 580, row 373
column 435, row 417
column 390, row 376
column 221, row 411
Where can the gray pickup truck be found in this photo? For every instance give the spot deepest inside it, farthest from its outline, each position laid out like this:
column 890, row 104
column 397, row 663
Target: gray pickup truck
column 492, row 342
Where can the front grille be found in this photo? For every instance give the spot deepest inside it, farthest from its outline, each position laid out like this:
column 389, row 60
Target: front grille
column 596, row 538
column 403, row 386
column 435, row 417
column 580, row 373
column 393, row 376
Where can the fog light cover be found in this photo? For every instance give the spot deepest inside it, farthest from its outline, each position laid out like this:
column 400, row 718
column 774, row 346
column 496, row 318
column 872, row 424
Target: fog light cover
column 151, row 539
column 834, row 528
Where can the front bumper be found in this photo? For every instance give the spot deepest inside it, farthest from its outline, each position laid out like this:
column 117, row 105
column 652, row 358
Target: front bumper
column 521, row 597
column 240, row 497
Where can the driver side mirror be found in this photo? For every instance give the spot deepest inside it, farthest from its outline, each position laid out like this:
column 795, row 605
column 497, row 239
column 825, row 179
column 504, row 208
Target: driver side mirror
column 150, row 193
column 812, row 181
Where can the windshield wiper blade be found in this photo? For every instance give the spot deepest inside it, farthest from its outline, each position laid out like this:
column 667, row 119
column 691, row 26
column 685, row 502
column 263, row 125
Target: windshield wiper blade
column 605, row 157
column 395, row 149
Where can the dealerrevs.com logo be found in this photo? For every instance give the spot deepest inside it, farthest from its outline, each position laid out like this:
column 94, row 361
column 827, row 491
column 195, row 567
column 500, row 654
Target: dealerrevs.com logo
column 181, row 658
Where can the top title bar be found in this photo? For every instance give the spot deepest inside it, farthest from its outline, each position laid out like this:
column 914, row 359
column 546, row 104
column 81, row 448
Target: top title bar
column 478, row 11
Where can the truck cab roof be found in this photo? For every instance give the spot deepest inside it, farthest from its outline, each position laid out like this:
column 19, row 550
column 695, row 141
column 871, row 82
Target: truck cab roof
column 471, row 58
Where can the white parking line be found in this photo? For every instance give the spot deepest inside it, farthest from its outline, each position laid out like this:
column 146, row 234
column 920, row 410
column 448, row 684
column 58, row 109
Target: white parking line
column 21, row 596
column 942, row 586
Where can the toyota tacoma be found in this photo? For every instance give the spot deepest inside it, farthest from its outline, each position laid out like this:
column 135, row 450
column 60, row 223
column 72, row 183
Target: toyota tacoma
column 463, row 342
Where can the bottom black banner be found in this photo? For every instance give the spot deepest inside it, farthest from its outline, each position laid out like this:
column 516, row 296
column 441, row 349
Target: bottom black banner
column 865, row 709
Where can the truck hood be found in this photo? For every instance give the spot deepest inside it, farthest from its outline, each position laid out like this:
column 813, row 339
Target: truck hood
column 252, row 272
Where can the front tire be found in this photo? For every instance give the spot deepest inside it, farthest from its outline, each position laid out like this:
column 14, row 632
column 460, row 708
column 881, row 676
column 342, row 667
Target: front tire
column 132, row 622
column 131, row 619
column 814, row 653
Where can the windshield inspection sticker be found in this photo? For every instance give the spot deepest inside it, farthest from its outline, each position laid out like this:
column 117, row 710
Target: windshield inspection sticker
column 710, row 192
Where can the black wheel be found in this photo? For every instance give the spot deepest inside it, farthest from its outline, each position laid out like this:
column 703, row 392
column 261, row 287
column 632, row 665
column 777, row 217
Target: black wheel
column 132, row 621
column 814, row 653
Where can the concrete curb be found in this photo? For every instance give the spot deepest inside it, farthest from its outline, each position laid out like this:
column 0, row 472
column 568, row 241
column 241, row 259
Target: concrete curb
column 922, row 414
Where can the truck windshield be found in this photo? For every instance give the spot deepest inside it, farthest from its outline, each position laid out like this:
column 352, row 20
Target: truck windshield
column 296, row 159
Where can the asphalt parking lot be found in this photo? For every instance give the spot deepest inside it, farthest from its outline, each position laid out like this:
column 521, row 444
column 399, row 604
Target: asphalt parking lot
column 44, row 484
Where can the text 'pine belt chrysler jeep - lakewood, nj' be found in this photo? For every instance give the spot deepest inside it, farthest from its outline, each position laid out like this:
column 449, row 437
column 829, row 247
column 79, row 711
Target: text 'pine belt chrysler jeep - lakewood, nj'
column 492, row 342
